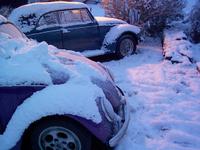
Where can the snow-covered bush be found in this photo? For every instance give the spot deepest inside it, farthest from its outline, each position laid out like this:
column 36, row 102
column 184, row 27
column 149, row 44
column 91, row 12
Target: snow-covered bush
column 154, row 14
column 176, row 47
column 195, row 22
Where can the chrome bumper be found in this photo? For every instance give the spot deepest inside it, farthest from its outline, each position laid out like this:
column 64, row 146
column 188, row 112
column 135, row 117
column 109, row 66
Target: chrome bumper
column 115, row 140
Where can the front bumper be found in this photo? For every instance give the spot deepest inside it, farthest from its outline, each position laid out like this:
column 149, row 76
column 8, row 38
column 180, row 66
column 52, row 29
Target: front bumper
column 119, row 135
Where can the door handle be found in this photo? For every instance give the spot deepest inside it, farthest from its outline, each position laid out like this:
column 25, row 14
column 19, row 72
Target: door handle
column 65, row 31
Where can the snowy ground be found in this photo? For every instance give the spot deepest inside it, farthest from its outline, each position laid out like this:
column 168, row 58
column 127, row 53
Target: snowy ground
column 164, row 97
column 165, row 100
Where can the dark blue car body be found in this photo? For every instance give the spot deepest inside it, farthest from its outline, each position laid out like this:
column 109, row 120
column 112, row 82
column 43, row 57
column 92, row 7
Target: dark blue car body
column 71, row 28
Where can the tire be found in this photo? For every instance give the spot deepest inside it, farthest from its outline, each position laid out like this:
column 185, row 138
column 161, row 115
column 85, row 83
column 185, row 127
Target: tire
column 56, row 134
column 126, row 46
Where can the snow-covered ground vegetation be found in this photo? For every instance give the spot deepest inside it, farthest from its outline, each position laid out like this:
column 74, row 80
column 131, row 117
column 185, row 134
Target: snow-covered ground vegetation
column 176, row 46
column 164, row 97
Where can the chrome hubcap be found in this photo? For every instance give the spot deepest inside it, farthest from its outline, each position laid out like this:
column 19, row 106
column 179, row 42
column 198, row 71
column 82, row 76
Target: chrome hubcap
column 58, row 138
column 126, row 47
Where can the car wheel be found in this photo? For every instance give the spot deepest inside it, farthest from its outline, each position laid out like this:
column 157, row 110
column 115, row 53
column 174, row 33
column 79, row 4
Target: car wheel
column 57, row 134
column 126, row 46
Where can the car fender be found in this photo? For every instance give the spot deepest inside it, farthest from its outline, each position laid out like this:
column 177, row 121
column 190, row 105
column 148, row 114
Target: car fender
column 34, row 108
column 101, row 131
column 115, row 32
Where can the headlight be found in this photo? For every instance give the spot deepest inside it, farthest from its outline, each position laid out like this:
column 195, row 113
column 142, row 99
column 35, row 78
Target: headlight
column 107, row 70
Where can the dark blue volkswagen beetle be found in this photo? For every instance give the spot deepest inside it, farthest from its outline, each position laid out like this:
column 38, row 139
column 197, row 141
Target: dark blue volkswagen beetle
column 70, row 25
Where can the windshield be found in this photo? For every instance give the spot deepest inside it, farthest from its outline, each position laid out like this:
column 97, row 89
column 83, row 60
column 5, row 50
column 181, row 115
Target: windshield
column 11, row 30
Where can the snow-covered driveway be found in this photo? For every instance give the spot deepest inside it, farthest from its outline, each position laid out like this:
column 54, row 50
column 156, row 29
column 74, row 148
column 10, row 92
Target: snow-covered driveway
column 165, row 100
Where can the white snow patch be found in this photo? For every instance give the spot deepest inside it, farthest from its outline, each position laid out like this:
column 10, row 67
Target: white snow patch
column 104, row 21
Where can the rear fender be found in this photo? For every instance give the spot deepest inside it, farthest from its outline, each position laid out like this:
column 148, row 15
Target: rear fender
column 110, row 40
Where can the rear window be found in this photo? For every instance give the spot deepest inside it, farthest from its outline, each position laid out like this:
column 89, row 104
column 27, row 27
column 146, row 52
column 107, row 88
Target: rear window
column 72, row 17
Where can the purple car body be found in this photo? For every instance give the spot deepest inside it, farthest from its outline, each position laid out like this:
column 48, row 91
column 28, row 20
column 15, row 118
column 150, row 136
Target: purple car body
column 114, row 110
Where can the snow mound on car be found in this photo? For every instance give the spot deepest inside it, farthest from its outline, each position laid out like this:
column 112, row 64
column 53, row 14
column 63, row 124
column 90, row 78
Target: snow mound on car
column 30, row 63
column 104, row 21
column 27, row 16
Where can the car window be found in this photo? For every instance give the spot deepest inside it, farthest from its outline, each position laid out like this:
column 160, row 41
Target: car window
column 11, row 30
column 48, row 20
column 85, row 16
column 72, row 17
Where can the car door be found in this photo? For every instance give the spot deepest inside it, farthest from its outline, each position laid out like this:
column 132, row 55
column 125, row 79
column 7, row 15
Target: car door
column 48, row 29
column 80, row 31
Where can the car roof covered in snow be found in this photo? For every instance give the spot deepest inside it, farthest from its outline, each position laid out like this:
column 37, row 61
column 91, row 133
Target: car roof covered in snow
column 26, row 16
column 2, row 19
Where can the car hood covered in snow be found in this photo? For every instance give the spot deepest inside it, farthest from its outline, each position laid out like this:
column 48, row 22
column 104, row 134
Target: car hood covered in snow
column 30, row 63
column 103, row 21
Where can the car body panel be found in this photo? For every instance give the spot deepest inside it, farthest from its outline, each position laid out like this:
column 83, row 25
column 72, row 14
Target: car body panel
column 80, row 38
column 52, row 35
column 10, row 99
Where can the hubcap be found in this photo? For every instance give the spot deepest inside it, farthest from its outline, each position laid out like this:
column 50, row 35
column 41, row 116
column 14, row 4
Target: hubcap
column 58, row 138
column 126, row 47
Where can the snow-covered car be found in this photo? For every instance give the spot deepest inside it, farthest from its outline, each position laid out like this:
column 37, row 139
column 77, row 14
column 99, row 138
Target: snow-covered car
column 70, row 25
column 55, row 99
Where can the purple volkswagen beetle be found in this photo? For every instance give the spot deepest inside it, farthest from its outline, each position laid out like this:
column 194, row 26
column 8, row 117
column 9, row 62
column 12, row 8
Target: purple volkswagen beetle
column 52, row 99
